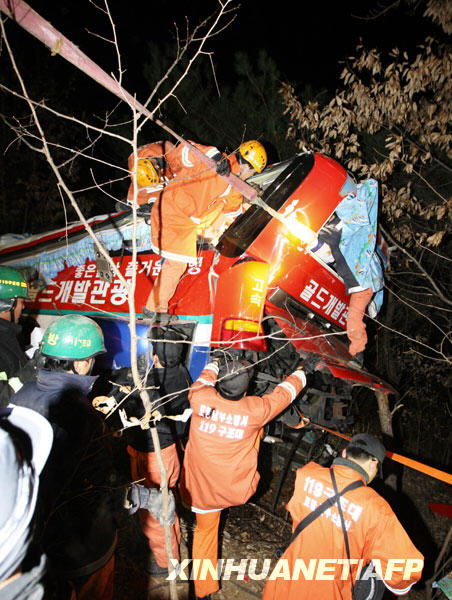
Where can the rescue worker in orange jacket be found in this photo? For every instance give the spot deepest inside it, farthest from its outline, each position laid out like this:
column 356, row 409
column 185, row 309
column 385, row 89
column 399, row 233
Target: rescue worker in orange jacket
column 360, row 530
column 193, row 200
column 220, row 463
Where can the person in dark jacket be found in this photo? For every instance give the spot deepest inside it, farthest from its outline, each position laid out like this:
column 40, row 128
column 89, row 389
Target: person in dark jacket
column 78, row 529
column 168, row 383
column 13, row 293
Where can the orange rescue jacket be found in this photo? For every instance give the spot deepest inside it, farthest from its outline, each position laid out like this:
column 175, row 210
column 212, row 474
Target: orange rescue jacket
column 373, row 530
column 220, row 463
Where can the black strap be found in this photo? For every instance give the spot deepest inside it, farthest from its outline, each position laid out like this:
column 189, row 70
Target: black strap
column 344, row 530
column 320, row 510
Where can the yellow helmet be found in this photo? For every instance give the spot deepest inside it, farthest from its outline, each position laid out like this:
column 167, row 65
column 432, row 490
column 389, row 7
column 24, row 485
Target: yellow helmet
column 254, row 153
column 147, row 174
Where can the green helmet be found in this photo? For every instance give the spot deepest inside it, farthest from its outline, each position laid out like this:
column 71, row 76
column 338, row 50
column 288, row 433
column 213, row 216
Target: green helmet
column 72, row 337
column 12, row 285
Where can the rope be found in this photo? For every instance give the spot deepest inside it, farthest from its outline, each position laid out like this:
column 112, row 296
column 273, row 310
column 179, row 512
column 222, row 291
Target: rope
column 404, row 460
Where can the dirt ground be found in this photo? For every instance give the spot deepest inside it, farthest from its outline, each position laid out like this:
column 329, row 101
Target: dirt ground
column 253, row 531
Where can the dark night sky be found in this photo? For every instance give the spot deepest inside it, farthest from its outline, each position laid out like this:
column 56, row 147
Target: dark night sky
column 306, row 39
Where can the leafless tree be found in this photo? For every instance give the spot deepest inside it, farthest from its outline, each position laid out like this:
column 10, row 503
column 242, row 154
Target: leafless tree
column 33, row 134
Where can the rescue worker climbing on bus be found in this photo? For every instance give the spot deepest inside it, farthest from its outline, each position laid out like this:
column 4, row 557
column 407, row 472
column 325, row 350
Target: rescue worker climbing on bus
column 167, row 383
column 13, row 360
column 220, row 463
column 157, row 164
column 349, row 241
column 195, row 202
column 340, row 520
column 80, row 491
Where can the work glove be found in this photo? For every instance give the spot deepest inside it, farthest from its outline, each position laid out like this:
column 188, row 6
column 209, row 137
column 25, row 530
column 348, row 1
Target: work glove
column 310, row 363
column 104, row 404
column 223, row 167
column 139, row 496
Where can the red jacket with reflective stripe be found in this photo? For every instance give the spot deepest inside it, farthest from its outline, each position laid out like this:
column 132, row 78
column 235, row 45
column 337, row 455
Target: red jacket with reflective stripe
column 220, row 463
column 373, row 530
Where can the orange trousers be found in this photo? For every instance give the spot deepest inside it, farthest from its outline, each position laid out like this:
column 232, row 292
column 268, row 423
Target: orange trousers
column 165, row 285
column 205, row 547
column 356, row 329
column 144, row 466
column 98, row 586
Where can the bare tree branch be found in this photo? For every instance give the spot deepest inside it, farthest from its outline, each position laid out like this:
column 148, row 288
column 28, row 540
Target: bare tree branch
column 419, row 266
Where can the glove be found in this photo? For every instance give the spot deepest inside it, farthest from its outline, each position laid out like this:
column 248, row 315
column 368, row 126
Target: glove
column 104, row 404
column 154, row 506
column 136, row 497
column 223, row 167
column 139, row 496
column 132, row 422
column 310, row 362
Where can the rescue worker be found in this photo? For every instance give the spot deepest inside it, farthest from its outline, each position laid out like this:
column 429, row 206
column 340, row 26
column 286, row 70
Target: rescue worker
column 360, row 530
column 25, row 442
column 220, row 463
column 13, row 294
column 79, row 536
column 170, row 381
column 192, row 202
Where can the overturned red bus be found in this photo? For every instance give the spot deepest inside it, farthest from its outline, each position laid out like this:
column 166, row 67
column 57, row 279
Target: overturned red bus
column 259, row 291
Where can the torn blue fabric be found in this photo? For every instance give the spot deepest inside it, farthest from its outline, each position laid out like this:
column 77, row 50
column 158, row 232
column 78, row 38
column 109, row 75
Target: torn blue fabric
column 358, row 213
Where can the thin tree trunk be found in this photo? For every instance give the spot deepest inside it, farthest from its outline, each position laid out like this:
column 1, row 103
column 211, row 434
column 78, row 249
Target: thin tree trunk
column 384, row 412
column 389, row 363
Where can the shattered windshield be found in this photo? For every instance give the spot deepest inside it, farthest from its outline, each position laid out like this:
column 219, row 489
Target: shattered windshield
column 248, row 226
